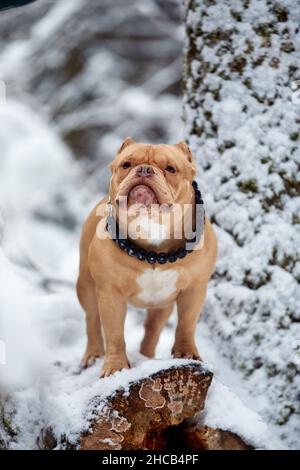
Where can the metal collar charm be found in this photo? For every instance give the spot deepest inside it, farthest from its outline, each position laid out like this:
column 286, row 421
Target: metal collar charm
column 151, row 256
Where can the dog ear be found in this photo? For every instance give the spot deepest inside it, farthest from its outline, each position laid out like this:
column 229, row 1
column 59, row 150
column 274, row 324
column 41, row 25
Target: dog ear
column 185, row 149
column 128, row 141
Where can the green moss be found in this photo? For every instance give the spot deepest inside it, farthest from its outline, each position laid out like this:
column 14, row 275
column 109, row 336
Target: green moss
column 210, row 2
column 197, row 130
column 249, row 46
column 286, row 412
column 272, row 370
column 265, row 314
column 224, row 75
column 216, row 94
column 274, row 62
column 214, row 127
column 248, row 186
column 280, row 12
column 227, row 144
column 271, row 202
column 191, row 54
column 263, row 100
column 257, row 338
column 248, row 84
column 224, row 179
column 223, row 49
column 256, row 282
column 9, row 429
column 192, row 5
column 207, row 114
column 294, row 136
column 235, row 170
column 291, row 186
column 285, row 261
column 265, row 160
column 237, row 15
column 287, row 46
column 264, row 29
column 293, row 70
column 260, row 60
column 218, row 35
column 238, row 64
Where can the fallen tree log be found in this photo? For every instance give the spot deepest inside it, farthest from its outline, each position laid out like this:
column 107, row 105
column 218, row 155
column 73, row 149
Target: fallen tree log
column 149, row 413
column 137, row 419
column 138, row 416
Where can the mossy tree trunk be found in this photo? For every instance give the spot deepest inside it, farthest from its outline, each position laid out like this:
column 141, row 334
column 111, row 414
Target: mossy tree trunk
column 242, row 116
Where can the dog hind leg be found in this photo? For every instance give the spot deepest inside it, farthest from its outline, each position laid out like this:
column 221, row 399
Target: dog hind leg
column 154, row 323
column 87, row 297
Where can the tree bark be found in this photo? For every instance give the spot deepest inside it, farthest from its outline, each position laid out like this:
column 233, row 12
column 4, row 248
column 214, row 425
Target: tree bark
column 242, row 116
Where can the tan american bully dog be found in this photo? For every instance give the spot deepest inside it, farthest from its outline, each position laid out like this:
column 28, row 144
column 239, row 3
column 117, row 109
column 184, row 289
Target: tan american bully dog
column 148, row 265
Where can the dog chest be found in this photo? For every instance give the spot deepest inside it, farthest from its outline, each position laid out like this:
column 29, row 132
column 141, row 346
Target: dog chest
column 157, row 285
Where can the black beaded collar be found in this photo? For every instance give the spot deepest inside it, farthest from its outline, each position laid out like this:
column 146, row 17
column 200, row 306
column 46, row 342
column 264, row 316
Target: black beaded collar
column 151, row 256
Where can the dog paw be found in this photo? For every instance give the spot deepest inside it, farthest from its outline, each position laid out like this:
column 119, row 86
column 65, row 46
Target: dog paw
column 147, row 351
column 111, row 366
column 186, row 353
column 90, row 357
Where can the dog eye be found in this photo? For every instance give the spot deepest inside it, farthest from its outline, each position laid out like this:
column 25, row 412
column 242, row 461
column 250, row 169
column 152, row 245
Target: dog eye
column 126, row 165
column 170, row 169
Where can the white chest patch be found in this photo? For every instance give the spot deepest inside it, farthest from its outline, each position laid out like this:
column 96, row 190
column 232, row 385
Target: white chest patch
column 157, row 285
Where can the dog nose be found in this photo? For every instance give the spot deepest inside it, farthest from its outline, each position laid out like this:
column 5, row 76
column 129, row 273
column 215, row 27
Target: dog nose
column 145, row 170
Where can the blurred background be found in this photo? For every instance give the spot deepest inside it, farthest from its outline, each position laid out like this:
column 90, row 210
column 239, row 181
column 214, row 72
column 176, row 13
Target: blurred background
column 80, row 76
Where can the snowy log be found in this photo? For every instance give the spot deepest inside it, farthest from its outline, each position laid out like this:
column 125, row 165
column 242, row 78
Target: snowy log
column 137, row 419
column 147, row 407
column 139, row 416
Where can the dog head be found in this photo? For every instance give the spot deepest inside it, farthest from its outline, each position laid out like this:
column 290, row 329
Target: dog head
column 150, row 176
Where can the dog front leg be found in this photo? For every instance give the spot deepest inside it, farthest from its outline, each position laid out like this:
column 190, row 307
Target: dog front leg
column 189, row 305
column 112, row 308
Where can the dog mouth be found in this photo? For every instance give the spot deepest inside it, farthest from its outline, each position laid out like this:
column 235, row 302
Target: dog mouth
column 142, row 194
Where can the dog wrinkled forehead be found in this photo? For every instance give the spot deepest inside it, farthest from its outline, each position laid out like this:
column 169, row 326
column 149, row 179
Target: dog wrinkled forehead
column 146, row 152
column 129, row 148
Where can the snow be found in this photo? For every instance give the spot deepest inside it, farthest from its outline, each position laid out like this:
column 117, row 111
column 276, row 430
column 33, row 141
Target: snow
column 224, row 410
column 59, row 15
column 33, row 162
